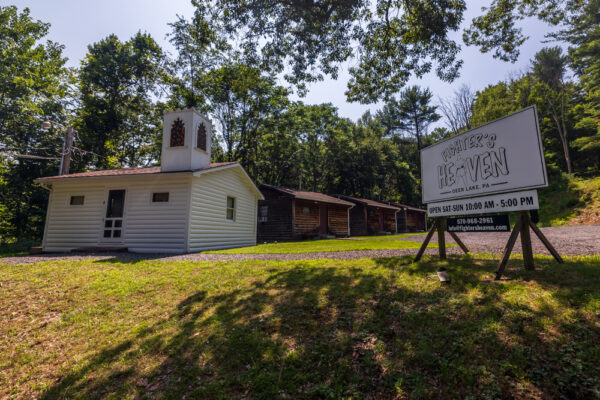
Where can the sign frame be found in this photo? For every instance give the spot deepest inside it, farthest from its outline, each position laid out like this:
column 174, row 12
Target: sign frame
column 540, row 151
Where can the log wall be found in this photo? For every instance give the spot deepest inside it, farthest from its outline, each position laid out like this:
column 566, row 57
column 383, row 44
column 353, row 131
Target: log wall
column 278, row 225
column 306, row 225
column 358, row 221
column 337, row 220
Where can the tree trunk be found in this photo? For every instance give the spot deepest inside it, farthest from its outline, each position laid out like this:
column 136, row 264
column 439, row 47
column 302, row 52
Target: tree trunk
column 562, row 133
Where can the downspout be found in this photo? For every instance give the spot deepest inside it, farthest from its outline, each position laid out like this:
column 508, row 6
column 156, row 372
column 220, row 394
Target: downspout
column 349, row 208
column 49, row 189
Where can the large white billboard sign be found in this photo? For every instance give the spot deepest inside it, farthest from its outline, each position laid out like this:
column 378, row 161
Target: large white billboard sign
column 496, row 203
column 502, row 156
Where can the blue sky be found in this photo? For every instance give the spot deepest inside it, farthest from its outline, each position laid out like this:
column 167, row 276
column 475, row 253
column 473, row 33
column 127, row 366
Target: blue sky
column 77, row 23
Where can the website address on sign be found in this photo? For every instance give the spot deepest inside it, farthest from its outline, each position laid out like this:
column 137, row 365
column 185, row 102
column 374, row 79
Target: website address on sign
column 476, row 228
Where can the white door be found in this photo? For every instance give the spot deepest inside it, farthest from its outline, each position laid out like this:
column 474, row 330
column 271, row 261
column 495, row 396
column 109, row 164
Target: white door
column 112, row 229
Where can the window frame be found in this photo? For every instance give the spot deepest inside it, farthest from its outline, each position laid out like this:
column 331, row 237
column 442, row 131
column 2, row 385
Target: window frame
column 233, row 209
column 70, row 200
column 182, row 145
column 160, row 201
column 197, row 146
column 261, row 217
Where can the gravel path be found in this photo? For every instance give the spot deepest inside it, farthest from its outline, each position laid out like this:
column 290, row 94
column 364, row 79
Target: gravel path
column 577, row 240
column 568, row 240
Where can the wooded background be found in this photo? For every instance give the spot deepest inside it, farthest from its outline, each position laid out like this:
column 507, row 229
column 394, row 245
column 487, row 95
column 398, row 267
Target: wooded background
column 240, row 63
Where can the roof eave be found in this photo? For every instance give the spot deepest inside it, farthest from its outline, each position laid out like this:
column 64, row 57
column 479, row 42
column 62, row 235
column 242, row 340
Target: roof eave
column 59, row 178
column 222, row 167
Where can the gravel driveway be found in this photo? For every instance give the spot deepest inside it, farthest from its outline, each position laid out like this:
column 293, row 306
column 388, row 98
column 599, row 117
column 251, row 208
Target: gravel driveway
column 568, row 240
column 577, row 240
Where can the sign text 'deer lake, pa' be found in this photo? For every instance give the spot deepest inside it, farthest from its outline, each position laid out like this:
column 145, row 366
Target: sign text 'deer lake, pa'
column 502, row 156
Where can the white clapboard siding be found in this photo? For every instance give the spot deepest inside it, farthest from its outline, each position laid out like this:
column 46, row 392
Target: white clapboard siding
column 209, row 227
column 157, row 227
column 147, row 226
column 70, row 227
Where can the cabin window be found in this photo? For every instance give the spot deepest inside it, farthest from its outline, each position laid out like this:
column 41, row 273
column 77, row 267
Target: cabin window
column 263, row 213
column 177, row 133
column 76, row 200
column 371, row 213
column 230, row 208
column 201, row 137
column 162, row 197
column 306, row 210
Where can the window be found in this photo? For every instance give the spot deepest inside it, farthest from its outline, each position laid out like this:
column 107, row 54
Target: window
column 201, row 137
column 230, row 208
column 306, row 210
column 76, row 200
column 177, row 133
column 263, row 212
column 160, row 197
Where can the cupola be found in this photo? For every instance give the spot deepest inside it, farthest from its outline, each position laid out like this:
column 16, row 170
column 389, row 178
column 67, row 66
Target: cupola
column 186, row 141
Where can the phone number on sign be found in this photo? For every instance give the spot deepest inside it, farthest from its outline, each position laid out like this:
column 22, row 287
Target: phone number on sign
column 475, row 220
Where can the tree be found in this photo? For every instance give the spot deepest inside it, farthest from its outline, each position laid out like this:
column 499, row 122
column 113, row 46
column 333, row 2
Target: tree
column 241, row 99
column 118, row 118
column 200, row 48
column 411, row 113
column 33, row 82
column 391, row 40
column 458, row 110
column 549, row 68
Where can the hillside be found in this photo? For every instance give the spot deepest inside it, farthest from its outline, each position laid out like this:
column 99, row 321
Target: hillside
column 571, row 201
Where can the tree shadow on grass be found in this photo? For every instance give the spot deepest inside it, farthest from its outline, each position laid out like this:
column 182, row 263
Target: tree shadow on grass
column 321, row 332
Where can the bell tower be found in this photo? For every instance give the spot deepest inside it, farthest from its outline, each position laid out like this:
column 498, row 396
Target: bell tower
column 186, row 141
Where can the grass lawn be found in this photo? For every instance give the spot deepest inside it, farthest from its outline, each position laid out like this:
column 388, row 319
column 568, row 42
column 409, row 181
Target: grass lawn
column 314, row 246
column 395, row 236
column 317, row 329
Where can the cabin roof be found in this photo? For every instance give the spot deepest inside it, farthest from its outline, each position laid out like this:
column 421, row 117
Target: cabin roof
column 408, row 207
column 126, row 171
column 368, row 202
column 312, row 196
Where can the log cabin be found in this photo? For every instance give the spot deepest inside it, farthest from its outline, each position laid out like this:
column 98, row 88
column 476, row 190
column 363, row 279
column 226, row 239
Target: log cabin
column 410, row 219
column 370, row 217
column 288, row 214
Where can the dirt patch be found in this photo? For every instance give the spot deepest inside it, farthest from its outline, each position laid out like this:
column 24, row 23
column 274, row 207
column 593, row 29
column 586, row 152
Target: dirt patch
column 589, row 216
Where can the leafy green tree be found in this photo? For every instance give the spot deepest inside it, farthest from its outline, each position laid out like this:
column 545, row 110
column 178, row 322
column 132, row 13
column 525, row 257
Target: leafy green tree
column 391, row 40
column 119, row 118
column 549, row 69
column 33, row 82
column 242, row 100
column 199, row 49
column 412, row 113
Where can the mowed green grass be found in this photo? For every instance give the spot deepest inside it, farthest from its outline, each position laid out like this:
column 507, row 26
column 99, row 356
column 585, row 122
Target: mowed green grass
column 327, row 245
column 318, row 329
column 396, row 236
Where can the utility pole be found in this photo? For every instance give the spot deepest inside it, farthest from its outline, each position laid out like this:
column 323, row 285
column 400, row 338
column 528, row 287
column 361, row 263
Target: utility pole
column 66, row 156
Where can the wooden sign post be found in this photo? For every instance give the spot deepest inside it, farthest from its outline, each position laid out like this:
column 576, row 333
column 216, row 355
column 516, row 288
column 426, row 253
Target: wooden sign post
column 522, row 226
column 439, row 225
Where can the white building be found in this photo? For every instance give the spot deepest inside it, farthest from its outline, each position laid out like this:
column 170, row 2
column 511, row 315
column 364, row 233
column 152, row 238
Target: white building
column 185, row 205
